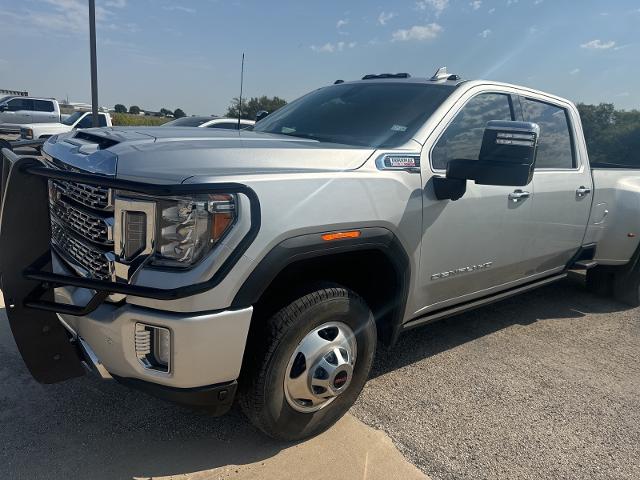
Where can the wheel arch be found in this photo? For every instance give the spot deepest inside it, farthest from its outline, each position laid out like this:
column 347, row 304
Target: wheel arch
column 375, row 265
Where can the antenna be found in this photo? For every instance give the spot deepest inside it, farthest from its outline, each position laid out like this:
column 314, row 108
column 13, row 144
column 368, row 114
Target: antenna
column 241, row 84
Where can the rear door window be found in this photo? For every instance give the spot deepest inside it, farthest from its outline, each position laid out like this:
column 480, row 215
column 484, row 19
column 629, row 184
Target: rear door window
column 43, row 105
column 555, row 145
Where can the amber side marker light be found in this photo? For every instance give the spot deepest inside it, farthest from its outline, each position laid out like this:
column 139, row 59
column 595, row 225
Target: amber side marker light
column 328, row 237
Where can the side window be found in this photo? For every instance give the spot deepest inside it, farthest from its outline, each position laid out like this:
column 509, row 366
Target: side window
column 554, row 146
column 102, row 120
column 86, row 122
column 226, row 125
column 43, row 106
column 463, row 136
column 18, row 104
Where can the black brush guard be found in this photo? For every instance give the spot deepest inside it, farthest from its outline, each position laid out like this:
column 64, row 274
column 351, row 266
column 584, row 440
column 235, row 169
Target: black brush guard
column 26, row 275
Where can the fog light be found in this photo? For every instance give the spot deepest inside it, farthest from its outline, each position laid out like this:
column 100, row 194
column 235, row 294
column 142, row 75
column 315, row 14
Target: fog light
column 153, row 347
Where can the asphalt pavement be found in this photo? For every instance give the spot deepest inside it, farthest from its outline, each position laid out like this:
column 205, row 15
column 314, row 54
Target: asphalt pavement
column 542, row 386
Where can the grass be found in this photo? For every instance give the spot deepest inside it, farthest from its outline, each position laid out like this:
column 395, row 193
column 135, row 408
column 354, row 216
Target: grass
column 128, row 120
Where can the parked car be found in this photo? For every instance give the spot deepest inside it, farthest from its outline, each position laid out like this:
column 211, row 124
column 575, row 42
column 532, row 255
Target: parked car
column 209, row 122
column 16, row 110
column 201, row 267
column 77, row 120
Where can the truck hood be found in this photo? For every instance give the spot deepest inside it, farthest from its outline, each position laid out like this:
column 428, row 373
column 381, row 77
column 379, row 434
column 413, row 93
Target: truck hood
column 48, row 127
column 173, row 154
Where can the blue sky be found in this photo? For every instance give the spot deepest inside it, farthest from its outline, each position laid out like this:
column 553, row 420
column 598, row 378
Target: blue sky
column 162, row 53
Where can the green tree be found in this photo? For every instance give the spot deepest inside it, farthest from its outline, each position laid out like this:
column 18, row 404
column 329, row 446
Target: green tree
column 613, row 136
column 253, row 105
column 120, row 108
column 179, row 113
column 165, row 112
column 134, row 110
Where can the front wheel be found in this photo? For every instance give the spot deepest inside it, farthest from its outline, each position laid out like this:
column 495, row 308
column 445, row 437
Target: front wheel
column 311, row 366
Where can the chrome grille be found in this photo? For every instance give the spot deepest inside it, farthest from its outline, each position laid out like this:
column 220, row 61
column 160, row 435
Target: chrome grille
column 85, row 223
column 88, row 195
column 96, row 262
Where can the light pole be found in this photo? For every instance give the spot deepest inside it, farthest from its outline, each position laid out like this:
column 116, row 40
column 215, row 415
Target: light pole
column 94, row 62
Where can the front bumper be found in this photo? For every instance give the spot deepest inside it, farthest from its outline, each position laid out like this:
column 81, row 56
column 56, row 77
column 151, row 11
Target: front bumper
column 206, row 348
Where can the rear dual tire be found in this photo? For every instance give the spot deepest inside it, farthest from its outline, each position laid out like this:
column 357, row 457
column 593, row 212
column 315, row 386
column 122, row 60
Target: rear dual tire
column 314, row 326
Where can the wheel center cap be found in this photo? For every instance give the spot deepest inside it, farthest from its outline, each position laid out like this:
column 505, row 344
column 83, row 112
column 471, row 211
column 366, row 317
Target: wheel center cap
column 340, row 380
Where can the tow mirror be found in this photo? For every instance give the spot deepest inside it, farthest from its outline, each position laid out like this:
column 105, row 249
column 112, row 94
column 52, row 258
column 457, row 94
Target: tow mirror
column 507, row 157
column 261, row 114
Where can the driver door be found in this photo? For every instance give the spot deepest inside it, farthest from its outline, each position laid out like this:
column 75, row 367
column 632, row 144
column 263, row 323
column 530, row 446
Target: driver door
column 476, row 245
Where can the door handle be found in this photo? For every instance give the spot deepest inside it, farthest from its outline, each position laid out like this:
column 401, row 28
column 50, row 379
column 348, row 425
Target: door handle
column 583, row 191
column 518, row 195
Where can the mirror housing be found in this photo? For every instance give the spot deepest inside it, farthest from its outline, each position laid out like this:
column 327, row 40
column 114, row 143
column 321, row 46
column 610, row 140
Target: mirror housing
column 3, row 108
column 507, row 158
column 261, row 114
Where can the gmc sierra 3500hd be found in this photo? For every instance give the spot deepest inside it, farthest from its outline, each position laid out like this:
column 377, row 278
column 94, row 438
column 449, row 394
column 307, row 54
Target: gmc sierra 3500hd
column 203, row 265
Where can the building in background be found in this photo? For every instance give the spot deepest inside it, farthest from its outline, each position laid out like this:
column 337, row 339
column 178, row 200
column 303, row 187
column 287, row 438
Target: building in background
column 18, row 93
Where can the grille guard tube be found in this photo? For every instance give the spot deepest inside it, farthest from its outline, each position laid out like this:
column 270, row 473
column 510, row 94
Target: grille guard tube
column 19, row 169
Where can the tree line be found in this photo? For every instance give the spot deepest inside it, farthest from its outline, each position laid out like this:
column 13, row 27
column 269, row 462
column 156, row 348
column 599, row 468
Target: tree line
column 135, row 110
column 613, row 136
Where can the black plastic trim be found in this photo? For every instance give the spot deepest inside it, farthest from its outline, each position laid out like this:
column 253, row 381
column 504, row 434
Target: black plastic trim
column 312, row 245
column 217, row 399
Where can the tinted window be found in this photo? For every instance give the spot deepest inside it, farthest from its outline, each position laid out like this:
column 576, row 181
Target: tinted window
column 463, row 137
column 73, row 118
column 225, row 125
column 43, row 105
column 87, row 121
column 187, row 122
column 554, row 145
column 20, row 104
column 372, row 114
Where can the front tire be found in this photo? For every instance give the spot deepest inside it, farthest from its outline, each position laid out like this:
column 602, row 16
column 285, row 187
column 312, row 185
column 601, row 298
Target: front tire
column 311, row 364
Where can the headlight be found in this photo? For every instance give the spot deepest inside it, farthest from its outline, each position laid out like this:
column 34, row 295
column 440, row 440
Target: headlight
column 189, row 227
column 27, row 133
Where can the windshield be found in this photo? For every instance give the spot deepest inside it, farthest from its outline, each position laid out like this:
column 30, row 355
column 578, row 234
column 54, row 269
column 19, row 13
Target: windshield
column 361, row 114
column 187, row 122
column 3, row 99
column 73, row 118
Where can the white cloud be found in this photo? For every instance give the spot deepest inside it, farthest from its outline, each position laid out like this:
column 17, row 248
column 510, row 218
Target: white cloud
column 599, row 45
column 384, row 17
column 492, row 10
column 332, row 47
column 438, row 6
column 417, row 32
column 179, row 8
column 575, row 71
column 485, row 33
column 476, row 4
column 341, row 23
column 65, row 17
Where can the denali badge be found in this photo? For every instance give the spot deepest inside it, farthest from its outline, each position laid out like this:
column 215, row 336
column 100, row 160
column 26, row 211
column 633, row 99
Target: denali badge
column 457, row 271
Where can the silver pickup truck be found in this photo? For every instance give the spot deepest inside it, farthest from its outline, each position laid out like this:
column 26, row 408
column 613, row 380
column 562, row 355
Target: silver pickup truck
column 267, row 264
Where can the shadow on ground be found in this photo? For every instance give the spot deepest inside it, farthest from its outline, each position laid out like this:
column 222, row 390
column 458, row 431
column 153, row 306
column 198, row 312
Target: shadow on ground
column 93, row 429
column 567, row 299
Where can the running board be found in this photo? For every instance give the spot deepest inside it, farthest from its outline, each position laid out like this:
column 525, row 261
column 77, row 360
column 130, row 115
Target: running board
column 461, row 308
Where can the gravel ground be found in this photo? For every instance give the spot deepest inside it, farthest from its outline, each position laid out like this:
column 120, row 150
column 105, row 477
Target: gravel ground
column 542, row 386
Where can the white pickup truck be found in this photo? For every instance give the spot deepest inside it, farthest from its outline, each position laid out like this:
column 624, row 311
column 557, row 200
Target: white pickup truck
column 16, row 111
column 77, row 120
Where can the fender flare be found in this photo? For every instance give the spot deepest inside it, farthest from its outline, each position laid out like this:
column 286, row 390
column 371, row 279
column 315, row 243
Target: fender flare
column 310, row 246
